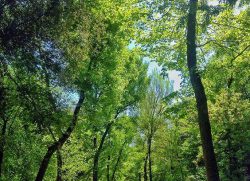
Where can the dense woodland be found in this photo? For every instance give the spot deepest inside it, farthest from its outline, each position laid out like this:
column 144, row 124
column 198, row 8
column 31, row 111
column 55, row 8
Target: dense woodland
column 80, row 99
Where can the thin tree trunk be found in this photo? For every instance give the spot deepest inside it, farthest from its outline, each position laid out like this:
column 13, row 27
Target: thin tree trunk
column 118, row 161
column 99, row 150
column 2, row 144
column 150, row 159
column 95, row 168
column 58, row 144
column 108, row 167
column 145, row 168
column 59, row 165
column 247, row 167
column 201, row 100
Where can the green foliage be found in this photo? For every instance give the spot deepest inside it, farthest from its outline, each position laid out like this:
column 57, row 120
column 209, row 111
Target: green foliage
column 52, row 50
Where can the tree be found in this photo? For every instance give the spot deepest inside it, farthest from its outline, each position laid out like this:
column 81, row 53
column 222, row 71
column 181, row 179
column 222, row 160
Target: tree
column 161, row 32
column 201, row 100
column 151, row 115
column 78, row 101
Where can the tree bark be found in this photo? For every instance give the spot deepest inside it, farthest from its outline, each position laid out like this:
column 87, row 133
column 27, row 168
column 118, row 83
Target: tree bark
column 59, row 165
column 95, row 168
column 99, row 150
column 145, row 168
column 118, row 161
column 108, row 168
column 201, row 100
column 58, row 144
column 2, row 143
column 247, row 159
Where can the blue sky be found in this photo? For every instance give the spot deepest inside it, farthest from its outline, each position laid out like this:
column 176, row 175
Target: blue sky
column 172, row 74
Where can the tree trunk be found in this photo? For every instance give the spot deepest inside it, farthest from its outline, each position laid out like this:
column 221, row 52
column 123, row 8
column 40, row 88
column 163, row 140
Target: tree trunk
column 95, row 168
column 2, row 143
column 108, row 168
column 58, row 144
column 118, row 161
column 145, row 168
column 149, row 158
column 201, row 100
column 99, row 150
column 248, row 167
column 59, row 165
column 3, row 117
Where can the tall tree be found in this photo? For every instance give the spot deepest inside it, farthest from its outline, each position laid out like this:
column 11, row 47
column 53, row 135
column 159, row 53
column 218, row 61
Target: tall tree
column 200, row 96
column 76, row 102
column 151, row 115
column 59, row 143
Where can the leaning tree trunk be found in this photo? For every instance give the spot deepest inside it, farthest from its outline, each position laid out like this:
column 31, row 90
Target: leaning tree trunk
column 201, row 100
column 118, row 161
column 99, row 150
column 59, row 165
column 58, row 144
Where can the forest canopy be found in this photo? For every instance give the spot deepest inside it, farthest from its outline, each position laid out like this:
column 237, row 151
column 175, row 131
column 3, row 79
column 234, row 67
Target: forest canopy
column 86, row 91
